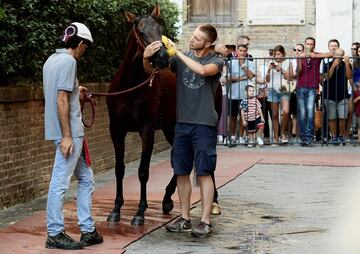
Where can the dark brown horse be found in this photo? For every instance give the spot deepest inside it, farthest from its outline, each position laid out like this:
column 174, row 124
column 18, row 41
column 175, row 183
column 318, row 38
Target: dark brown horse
column 143, row 110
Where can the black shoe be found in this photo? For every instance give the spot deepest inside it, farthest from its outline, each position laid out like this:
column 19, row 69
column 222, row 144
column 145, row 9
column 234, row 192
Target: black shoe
column 202, row 230
column 91, row 238
column 62, row 241
column 180, row 225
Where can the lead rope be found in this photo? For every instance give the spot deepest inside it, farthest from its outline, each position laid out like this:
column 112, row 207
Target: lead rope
column 89, row 97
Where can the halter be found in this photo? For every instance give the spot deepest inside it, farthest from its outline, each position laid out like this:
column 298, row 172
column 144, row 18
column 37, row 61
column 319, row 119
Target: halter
column 138, row 40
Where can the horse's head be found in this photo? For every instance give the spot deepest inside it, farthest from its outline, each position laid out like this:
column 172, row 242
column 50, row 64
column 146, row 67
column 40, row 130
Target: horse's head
column 147, row 30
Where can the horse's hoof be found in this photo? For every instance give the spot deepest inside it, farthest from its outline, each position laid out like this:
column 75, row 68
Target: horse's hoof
column 167, row 206
column 138, row 220
column 113, row 216
column 216, row 209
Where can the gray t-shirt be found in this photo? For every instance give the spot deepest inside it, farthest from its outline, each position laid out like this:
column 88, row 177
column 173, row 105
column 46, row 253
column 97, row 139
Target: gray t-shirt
column 195, row 94
column 59, row 74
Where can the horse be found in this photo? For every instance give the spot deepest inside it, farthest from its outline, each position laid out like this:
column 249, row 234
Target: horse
column 143, row 110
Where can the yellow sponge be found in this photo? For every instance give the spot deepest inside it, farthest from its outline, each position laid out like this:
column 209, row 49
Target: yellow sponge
column 169, row 50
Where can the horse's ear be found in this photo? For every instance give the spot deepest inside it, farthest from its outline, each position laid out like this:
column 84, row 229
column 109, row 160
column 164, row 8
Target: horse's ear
column 130, row 17
column 156, row 12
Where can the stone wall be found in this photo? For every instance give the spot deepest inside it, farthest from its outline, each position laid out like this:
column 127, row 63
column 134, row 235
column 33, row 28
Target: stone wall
column 262, row 37
column 26, row 158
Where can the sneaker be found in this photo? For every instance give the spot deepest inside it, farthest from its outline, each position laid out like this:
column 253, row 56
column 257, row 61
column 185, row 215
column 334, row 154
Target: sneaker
column 62, row 241
column 242, row 140
column 334, row 141
column 260, row 141
column 216, row 209
column 180, row 225
column 202, row 230
column 91, row 238
column 284, row 140
column 341, row 141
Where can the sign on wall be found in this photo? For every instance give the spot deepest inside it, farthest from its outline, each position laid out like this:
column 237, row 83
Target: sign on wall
column 276, row 12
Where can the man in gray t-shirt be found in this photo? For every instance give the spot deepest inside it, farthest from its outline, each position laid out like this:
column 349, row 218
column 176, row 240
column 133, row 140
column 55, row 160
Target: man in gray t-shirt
column 197, row 74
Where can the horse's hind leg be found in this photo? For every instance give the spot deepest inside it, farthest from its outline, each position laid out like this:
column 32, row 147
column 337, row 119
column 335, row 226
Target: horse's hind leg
column 168, row 203
column 118, row 138
column 147, row 138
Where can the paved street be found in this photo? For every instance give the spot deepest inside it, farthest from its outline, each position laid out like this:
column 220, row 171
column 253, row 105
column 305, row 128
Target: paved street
column 275, row 200
column 274, row 208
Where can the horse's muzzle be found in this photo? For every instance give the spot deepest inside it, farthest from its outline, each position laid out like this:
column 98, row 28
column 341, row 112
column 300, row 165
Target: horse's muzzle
column 160, row 59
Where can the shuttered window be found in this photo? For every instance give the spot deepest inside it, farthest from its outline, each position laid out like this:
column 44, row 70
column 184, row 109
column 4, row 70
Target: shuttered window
column 212, row 11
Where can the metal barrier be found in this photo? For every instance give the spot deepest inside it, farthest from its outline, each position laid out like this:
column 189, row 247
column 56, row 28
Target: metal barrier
column 298, row 97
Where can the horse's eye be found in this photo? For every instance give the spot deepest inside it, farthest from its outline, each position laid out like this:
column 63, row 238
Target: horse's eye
column 141, row 26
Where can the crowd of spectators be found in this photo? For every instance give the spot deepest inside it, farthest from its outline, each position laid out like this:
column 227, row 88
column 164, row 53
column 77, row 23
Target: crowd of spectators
column 304, row 96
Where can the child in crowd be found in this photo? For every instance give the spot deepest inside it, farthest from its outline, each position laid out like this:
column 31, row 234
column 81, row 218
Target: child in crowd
column 252, row 116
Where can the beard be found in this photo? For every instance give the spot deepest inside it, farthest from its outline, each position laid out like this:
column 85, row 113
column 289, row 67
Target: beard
column 197, row 48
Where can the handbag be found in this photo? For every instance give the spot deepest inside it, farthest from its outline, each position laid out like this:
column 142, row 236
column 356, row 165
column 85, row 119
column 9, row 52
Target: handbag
column 318, row 119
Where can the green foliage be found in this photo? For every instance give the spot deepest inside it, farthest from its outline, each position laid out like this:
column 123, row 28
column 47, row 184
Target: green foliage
column 29, row 32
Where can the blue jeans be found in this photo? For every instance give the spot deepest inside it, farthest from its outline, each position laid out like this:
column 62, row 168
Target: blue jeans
column 63, row 169
column 306, row 107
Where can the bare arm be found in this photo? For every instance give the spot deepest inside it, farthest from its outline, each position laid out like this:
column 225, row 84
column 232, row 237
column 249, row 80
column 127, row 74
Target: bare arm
column 63, row 107
column 201, row 69
column 243, row 117
column 348, row 68
column 320, row 55
column 335, row 64
column 249, row 74
column 298, row 67
column 260, row 112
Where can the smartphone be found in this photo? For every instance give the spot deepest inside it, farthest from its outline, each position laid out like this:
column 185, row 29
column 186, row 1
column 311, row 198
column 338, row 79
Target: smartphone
column 307, row 51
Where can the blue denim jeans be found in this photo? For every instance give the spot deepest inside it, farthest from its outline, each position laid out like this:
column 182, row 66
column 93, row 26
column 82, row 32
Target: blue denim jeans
column 306, row 107
column 63, row 169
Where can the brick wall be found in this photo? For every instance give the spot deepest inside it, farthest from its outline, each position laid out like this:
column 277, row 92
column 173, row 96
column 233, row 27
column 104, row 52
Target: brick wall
column 26, row 158
column 262, row 37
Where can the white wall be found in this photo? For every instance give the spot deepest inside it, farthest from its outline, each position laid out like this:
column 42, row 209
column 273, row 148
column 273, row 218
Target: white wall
column 334, row 20
column 356, row 20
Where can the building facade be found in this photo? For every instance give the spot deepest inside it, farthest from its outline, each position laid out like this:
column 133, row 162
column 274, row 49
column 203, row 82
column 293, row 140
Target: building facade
column 272, row 22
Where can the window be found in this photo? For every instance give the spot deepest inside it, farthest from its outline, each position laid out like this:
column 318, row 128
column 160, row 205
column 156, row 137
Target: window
column 212, row 11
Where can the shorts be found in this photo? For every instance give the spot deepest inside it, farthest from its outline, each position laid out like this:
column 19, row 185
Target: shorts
column 194, row 145
column 253, row 126
column 337, row 110
column 275, row 96
column 234, row 109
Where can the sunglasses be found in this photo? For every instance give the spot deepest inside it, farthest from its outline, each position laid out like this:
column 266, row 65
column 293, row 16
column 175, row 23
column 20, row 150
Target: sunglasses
column 353, row 48
column 297, row 50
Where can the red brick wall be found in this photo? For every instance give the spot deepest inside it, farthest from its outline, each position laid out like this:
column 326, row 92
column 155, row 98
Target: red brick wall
column 26, row 158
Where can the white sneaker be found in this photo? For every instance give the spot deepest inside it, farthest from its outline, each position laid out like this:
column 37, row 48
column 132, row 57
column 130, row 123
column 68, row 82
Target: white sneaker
column 220, row 138
column 260, row 141
column 242, row 140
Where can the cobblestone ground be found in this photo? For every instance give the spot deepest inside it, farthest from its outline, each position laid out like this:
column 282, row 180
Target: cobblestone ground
column 277, row 209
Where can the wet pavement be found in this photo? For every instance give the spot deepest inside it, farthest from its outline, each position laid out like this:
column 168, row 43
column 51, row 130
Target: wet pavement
column 275, row 200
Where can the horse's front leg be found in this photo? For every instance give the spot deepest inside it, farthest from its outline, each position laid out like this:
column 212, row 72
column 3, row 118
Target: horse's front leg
column 118, row 138
column 147, row 138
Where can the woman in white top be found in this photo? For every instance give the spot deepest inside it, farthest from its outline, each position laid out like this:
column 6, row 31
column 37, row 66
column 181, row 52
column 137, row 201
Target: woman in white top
column 279, row 73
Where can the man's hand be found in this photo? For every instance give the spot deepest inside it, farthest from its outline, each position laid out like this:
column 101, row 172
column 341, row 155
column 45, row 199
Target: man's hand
column 82, row 90
column 66, row 146
column 152, row 48
column 346, row 59
column 244, row 122
column 337, row 61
